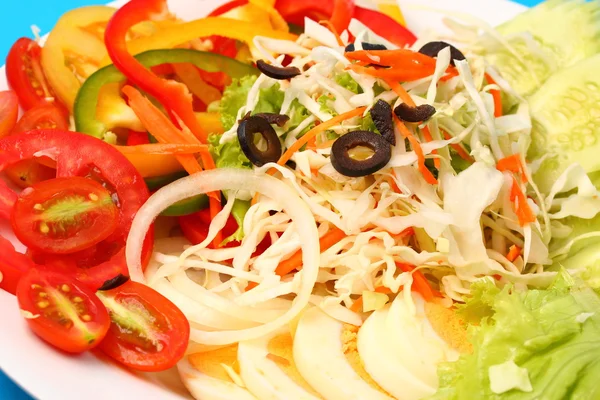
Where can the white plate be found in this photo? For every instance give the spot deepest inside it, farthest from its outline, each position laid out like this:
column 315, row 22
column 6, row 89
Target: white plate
column 48, row 374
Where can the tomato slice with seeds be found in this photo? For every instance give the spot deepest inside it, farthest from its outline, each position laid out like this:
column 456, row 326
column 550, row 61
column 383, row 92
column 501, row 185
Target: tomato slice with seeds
column 64, row 215
column 63, row 312
column 42, row 116
column 27, row 173
column 147, row 331
column 25, row 74
column 13, row 266
column 81, row 155
column 9, row 111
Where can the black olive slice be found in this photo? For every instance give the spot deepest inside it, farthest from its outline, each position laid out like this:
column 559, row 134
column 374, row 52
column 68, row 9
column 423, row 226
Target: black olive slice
column 414, row 114
column 247, row 131
column 381, row 113
column 278, row 119
column 348, row 166
column 114, row 283
column 291, row 164
column 432, row 49
column 280, row 73
column 366, row 46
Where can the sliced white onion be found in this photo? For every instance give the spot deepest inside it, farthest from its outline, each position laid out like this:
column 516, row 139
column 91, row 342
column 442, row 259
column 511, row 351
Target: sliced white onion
column 234, row 179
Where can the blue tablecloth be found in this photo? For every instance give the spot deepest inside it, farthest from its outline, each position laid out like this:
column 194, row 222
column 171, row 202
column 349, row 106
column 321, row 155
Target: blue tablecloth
column 17, row 22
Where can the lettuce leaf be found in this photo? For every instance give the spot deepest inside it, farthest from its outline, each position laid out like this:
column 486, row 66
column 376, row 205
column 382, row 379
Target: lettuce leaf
column 235, row 97
column 553, row 335
column 345, row 80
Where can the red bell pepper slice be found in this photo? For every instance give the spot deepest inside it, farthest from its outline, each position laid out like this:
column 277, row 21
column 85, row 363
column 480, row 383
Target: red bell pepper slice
column 227, row 7
column 174, row 96
column 385, row 26
column 340, row 12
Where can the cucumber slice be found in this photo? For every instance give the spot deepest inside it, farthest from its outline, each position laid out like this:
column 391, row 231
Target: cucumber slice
column 566, row 31
column 566, row 121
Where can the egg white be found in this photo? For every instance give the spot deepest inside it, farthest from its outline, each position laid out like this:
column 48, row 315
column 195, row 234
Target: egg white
column 386, row 367
column 205, row 387
column 263, row 377
column 413, row 340
column 319, row 356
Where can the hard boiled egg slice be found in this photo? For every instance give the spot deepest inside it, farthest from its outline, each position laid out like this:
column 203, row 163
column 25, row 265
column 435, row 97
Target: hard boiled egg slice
column 413, row 340
column 212, row 375
column 386, row 367
column 320, row 358
column 268, row 369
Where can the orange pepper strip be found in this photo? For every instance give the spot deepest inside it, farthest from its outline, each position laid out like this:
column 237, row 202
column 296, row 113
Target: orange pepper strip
column 322, row 127
column 458, row 148
column 163, row 148
column 159, row 125
column 496, row 95
column 357, row 305
column 404, row 74
column 513, row 252
column 400, row 58
column 407, row 134
column 520, row 205
column 427, row 134
column 420, row 283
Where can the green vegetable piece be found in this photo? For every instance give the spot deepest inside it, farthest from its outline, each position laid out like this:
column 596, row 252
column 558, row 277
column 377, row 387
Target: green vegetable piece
column 186, row 206
column 565, row 122
column 551, row 336
column 155, row 183
column 235, row 97
column 566, row 31
column 345, row 80
column 87, row 98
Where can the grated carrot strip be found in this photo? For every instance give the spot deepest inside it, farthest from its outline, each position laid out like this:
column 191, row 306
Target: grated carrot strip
column 496, row 95
column 428, row 138
column 416, row 146
column 458, row 148
column 513, row 252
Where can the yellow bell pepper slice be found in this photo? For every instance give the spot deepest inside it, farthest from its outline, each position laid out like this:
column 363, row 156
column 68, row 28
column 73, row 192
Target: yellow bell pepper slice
column 73, row 50
column 276, row 19
column 392, row 10
column 172, row 36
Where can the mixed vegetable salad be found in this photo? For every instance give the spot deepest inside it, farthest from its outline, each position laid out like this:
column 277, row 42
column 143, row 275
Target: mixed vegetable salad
column 304, row 200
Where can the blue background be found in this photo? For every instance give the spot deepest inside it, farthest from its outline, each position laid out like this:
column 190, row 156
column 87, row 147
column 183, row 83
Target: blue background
column 18, row 17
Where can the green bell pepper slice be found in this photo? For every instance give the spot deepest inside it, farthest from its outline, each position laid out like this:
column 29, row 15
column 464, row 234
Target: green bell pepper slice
column 86, row 103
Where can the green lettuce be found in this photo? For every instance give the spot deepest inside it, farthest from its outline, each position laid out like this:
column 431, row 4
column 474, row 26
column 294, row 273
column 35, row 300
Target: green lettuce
column 230, row 154
column 235, row 97
column 537, row 344
column 345, row 80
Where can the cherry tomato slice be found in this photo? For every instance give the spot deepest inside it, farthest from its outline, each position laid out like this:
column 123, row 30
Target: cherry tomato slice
column 27, row 173
column 80, row 155
column 25, row 74
column 64, row 312
column 42, row 116
column 148, row 332
column 9, row 111
column 13, row 266
column 64, row 215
